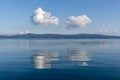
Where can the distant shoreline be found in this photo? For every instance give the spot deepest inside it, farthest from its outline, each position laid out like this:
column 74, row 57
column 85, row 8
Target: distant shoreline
column 58, row 36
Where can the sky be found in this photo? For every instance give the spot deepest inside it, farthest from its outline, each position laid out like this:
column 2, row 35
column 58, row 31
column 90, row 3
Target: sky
column 60, row 16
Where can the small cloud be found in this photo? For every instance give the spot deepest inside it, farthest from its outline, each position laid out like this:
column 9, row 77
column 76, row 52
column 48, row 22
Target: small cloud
column 101, row 31
column 77, row 22
column 108, row 31
column 104, row 31
column 41, row 17
column 115, row 31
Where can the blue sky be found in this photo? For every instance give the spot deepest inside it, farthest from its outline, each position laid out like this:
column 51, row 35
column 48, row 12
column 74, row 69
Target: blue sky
column 15, row 15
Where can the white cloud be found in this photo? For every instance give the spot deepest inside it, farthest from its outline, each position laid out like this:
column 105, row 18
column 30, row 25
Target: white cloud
column 77, row 22
column 42, row 17
column 108, row 31
column 104, row 31
column 101, row 31
column 115, row 31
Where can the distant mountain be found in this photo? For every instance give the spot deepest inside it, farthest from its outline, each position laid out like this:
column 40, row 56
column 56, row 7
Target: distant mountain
column 58, row 36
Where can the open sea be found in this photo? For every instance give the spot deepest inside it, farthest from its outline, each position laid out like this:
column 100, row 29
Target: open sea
column 81, row 59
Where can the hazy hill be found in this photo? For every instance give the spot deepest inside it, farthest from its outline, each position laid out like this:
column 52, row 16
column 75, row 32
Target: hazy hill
column 58, row 36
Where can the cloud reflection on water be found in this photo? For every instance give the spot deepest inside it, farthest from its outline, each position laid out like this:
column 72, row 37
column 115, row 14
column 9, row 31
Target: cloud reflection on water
column 79, row 56
column 71, row 58
column 42, row 60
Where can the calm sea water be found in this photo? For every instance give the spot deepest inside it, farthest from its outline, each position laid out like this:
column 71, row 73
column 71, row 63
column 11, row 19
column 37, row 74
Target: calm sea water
column 59, row 59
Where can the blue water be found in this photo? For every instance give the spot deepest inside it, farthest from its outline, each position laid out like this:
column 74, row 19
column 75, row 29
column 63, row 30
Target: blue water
column 59, row 59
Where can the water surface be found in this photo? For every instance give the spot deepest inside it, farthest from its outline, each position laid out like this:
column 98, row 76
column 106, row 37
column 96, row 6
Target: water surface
column 60, row 59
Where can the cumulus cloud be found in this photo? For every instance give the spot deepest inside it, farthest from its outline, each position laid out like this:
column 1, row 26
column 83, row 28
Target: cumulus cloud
column 77, row 22
column 42, row 17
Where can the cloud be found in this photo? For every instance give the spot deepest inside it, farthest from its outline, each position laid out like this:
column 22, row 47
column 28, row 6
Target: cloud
column 115, row 31
column 108, row 31
column 77, row 22
column 41, row 17
column 101, row 31
column 104, row 31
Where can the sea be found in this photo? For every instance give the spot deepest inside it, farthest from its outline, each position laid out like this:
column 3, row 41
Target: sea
column 62, row 59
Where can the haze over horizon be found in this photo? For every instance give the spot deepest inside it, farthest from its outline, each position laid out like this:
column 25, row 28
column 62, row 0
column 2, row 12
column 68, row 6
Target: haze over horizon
column 60, row 17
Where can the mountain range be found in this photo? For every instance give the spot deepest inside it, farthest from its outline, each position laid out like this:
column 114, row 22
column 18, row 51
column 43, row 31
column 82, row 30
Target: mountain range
column 58, row 36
